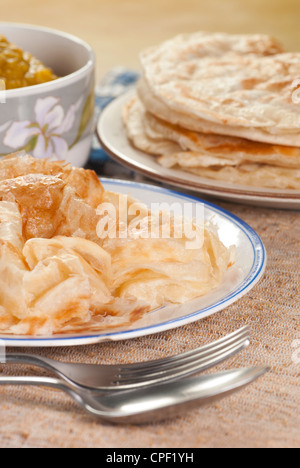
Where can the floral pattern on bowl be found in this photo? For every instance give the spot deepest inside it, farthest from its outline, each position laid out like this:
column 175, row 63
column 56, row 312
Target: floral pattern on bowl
column 55, row 119
column 43, row 138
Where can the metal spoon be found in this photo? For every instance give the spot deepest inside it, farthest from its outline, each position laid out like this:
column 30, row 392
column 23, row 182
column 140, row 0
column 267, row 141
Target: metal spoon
column 152, row 403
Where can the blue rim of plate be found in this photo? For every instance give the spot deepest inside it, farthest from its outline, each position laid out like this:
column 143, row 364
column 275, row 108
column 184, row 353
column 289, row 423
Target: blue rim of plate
column 256, row 272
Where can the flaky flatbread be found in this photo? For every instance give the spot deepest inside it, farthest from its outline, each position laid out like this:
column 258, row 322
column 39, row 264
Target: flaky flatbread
column 233, row 85
column 63, row 271
column 218, row 157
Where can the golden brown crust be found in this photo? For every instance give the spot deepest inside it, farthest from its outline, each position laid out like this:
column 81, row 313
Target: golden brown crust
column 38, row 197
column 16, row 165
column 52, row 196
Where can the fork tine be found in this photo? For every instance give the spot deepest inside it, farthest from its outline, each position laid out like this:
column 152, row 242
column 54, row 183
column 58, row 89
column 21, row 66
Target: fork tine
column 184, row 366
column 161, row 364
column 197, row 365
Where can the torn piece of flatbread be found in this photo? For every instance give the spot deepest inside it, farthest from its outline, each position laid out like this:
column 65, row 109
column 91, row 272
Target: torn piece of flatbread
column 60, row 271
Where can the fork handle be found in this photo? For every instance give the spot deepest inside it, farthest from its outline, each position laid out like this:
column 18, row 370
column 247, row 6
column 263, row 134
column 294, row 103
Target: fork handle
column 21, row 358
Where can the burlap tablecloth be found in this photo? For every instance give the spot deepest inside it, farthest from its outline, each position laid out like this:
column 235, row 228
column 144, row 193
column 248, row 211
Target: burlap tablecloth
column 265, row 414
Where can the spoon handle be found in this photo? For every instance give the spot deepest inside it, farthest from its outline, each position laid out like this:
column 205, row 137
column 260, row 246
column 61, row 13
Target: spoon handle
column 49, row 382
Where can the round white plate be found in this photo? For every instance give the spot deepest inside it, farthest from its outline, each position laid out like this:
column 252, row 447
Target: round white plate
column 113, row 139
column 249, row 268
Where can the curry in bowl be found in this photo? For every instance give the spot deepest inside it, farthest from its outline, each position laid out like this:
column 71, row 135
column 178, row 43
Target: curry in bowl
column 19, row 69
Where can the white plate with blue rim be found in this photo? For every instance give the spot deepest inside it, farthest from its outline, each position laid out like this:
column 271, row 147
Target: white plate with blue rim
column 238, row 281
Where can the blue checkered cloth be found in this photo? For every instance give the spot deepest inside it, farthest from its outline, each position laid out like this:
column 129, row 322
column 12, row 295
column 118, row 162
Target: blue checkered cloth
column 116, row 82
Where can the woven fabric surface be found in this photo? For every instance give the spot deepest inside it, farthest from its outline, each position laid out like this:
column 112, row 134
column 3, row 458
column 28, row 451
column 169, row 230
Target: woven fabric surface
column 265, row 414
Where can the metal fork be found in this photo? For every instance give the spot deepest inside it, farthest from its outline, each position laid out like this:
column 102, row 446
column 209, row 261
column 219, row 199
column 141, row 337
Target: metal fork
column 125, row 377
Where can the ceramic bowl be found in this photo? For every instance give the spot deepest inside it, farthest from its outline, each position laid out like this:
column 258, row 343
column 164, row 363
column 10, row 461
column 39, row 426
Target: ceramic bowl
column 55, row 119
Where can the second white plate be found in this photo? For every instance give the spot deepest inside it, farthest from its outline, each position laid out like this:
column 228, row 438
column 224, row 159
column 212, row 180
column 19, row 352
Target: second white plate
column 113, row 139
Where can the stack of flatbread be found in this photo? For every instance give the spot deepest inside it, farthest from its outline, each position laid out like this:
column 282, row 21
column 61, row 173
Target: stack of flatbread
column 221, row 106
